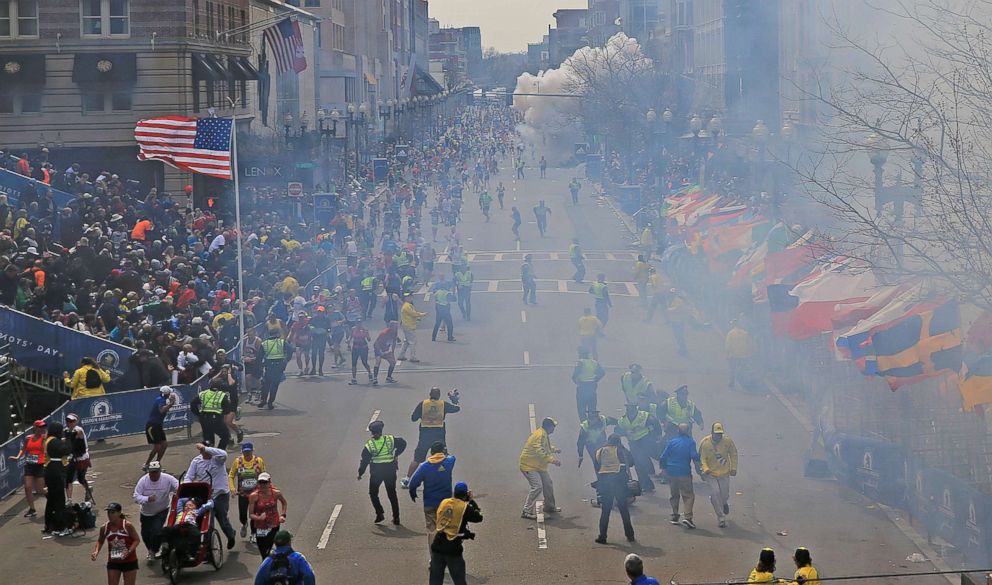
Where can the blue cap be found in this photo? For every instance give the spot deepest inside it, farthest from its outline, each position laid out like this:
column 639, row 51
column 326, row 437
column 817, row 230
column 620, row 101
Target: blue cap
column 247, row 447
column 461, row 488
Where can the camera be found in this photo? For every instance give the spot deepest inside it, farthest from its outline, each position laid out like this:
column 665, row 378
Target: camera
column 453, row 396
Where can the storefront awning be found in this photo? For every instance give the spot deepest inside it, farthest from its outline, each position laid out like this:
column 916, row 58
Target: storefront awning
column 241, row 68
column 205, row 70
column 105, row 68
column 426, row 84
column 22, row 69
column 219, row 63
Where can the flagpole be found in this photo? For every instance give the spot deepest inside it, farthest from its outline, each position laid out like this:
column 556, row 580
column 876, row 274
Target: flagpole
column 237, row 224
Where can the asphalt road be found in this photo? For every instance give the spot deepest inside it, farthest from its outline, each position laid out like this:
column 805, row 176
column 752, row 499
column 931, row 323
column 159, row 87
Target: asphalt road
column 509, row 361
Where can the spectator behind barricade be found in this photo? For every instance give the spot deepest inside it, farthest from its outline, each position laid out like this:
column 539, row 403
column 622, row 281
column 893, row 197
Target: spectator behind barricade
column 87, row 380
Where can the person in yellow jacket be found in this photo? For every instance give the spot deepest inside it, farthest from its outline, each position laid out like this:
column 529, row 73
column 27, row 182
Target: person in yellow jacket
column 806, row 573
column 243, row 479
column 678, row 314
column 536, row 456
column 84, row 384
column 739, row 349
column 764, row 571
column 410, row 317
column 718, row 457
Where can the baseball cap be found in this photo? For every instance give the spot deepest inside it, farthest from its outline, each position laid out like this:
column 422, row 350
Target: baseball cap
column 246, row 446
column 549, row 421
column 718, row 427
column 155, row 466
column 165, row 390
column 282, row 538
column 264, row 477
column 461, row 488
column 72, row 416
column 39, row 423
column 114, row 507
column 376, row 426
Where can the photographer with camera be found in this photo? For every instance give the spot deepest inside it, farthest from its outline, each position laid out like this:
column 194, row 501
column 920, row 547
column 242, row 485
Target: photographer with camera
column 453, row 517
column 431, row 414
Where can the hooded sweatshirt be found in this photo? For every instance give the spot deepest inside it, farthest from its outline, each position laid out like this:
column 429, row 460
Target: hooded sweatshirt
column 435, row 474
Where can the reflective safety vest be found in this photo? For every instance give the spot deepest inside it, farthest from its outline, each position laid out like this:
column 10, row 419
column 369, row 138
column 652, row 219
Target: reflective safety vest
column 382, row 449
column 587, row 370
column 441, row 297
column 595, row 435
column 635, row 429
column 401, row 259
column 575, row 252
column 211, row 400
column 274, row 349
column 599, row 290
column 407, row 282
column 449, row 517
column 631, row 391
column 609, row 460
column 368, row 283
column 432, row 414
column 34, row 450
column 676, row 414
column 464, row 278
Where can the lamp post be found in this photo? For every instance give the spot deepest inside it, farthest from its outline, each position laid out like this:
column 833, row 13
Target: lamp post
column 351, row 138
column 760, row 136
column 287, row 122
column 898, row 193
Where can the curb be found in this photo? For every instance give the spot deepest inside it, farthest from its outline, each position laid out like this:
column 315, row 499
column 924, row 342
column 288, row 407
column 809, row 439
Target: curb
column 619, row 214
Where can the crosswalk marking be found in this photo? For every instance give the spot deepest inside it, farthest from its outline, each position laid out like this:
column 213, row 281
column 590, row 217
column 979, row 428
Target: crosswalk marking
column 632, row 289
column 493, row 286
column 480, row 256
column 544, row 285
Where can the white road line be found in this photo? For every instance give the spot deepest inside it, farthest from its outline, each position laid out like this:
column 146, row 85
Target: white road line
column 562, row 286
column 553, row 256
column 493, row 286
column 533, row 417
column 375, row 416
column 498, row 257
column 523, row 316
column 526, row 358
column 470, row 257
column 610, row 256
column 632, row 289
column 518, row 241
column 326, row 535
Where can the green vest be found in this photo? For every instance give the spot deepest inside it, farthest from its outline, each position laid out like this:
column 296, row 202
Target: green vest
column 575, row 252
column 633, row 391
column 382, row 449
column 368, row 283
column 599, row 290
column 274, row 349
column 464, row 278
column 401, row 259
column 635, row 429
column 595, row 436
column 441, row 297
column 676, row 414
column 211, row 400
column 587, row 370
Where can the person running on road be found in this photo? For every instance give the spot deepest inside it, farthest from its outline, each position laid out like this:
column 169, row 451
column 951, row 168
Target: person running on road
column 152, row 493
column 535, row 457
column 410, row 317
column 806, row 573
column 634, row 385
column 122, row 546
column 431, row 413
column 640, row 427
column 601, row 294
column 485, row 203
column 500, row 193
column 718, row 458
column 679, row 409
column 612, row 465
column 764, row 571
column 576, row 256
column 243, row 479
column 463, row 287
column 320, row 328
column 657, row 291
column 586, row 376
column 210, row 405
column 360, row 338
column 435, row 474
column 287, row 562
column 590, row 328
column 453, row 517
column 154, row 433
column 739, row 349
column 528, row 280
column 541, row 212
column 677, row 314
column 442, row 311
column 263, row 509
column 592, row 435
column 642, row 272
column 515, row 216
column 573, row 188
column 676, row 461
column 385, row 345
column 380, row 456
column 276, row 353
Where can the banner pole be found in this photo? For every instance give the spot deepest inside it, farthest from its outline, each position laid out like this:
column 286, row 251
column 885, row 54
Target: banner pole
column 237, row 224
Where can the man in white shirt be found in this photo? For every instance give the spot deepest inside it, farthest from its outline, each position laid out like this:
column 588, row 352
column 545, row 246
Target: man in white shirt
column 211, row 466
column 152, row 493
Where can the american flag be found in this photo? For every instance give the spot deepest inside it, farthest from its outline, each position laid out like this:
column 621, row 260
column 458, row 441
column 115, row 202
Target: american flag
column 286, row 42
column 201, row 145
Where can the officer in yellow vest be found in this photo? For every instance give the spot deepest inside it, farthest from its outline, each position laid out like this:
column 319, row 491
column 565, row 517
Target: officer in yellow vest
column 379, row 455
column 679, row 409
column 637, row 425
column 613, row 463
column 634, row 384
column 442, row 313
column 369, row 293
column 464, row 280
column 276, row 353
column 577, row 258
column 453, row 517
column 210, row 405
column 586, row 376
column 592, row 435
column 431, row 414
column 601, row 294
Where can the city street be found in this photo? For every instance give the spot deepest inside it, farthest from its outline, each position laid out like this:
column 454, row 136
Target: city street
column 512, row 364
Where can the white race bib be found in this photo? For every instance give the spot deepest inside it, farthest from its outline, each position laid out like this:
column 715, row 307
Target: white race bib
column 32, row 458
column 262, row 532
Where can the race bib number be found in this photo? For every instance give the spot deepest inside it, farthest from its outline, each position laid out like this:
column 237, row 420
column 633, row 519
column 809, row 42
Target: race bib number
column 262, row 532
column 118, row 550
column 32, row 459
column 248, row 484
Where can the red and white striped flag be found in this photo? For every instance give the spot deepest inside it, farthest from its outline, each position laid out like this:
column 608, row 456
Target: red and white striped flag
column 286, row 41
column 200, row 145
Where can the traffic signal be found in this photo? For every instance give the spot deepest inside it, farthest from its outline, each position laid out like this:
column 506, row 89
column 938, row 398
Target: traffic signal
column 210, row 202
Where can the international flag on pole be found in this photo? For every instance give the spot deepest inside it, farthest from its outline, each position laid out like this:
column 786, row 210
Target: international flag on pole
column 286, row 42
column 200, row 145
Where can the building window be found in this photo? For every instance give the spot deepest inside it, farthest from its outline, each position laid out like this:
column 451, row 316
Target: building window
column 98, row 102
column 312, row 3
column 18, row 18
column 210, row 19
column 20, row 102
column 103, row 18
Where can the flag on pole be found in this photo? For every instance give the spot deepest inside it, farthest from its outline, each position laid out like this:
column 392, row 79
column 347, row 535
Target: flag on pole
column 286, row 42
column 200, row 145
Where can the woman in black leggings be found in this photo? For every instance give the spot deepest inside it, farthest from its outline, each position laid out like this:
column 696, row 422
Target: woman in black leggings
column 55, row 460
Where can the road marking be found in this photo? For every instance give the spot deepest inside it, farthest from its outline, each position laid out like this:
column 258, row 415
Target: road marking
column 610, row 256
column 518, row 245
column 523, row 316
column 632, row 289
column 375, row 416
column 553, row 256
column 562, row 286
column 322, row 543
column 533, row 417
column 526, row 358
column 498, row 257
column 493, row 286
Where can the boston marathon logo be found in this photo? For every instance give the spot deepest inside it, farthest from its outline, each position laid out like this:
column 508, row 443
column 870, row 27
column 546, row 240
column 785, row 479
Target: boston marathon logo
column 110, row 360
column 102, row 418
column 179, row 413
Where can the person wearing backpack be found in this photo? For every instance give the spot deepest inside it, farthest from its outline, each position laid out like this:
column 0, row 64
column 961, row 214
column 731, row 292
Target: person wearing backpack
column 87, row 380
column 285, row 566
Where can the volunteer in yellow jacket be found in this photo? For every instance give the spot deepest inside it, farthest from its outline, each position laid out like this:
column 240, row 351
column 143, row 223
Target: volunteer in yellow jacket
column 431, row 413
column 87, row 380
column 739, row 349
column 718, row 457
column 764, row 571
column 805, row 571
column 536, row 456
column 410, row 317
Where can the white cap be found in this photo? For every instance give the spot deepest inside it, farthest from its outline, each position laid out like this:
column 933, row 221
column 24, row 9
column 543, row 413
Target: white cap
column 165, row 390
column 264, row 477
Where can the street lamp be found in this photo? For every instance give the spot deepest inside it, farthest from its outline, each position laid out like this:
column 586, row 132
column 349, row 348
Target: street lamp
column 695, row 124
column 287, row 122
column 760, row 132
column 667, row 116
column 788, row 131
column 651, row 116
column 304, row 122
column 715, row 125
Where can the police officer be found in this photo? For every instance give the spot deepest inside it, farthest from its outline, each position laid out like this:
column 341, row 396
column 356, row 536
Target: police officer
column 592, row 435
column 276, row 352
column 463, row 281
column 679, row 409
column 442, row 313
column 601, row 293
column 576, row 256
column 431, row 414
column 210, row 405
column 379, row 455
column 586, row 376
column 612, row 463
column 370, row 285
column 528, row 280
column 637, row 425
column 634, row 384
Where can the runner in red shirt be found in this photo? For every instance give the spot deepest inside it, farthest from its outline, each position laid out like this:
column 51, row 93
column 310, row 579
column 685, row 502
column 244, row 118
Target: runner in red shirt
column 360, row 338
column 385, row 344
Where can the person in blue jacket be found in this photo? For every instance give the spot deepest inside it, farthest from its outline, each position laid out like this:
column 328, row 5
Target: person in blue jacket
column 435, row 474
column 285, row 565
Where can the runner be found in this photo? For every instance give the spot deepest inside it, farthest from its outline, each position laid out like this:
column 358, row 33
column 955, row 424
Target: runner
column 385, row 345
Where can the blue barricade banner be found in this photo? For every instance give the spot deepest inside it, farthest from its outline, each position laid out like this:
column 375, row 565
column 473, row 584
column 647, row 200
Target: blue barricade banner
column 875, row 468
column 40, row 345
column 14, row 184
column 12, row 472
column 125, row 413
